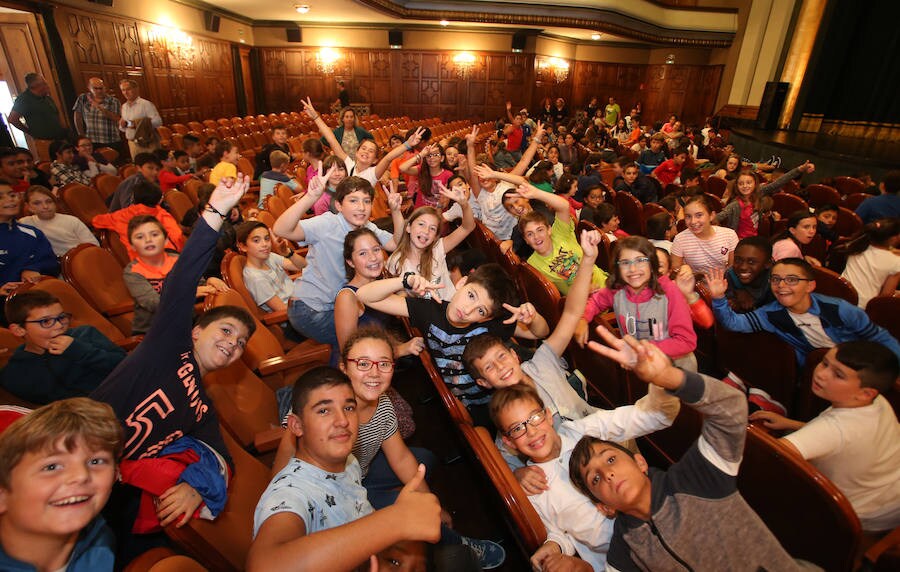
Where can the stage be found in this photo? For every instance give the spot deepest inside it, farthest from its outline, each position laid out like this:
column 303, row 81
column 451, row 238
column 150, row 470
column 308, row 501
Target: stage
column 833, row 156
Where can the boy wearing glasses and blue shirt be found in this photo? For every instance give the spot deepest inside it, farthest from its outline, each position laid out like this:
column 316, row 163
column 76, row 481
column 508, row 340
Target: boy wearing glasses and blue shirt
column 55, row 362
column 798, row 316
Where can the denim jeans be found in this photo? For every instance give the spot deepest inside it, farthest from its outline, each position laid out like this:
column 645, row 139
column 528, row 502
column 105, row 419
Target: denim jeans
column 315, row 324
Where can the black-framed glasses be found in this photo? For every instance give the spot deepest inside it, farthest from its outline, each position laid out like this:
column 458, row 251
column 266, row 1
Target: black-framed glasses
column 633, row 261
column 51, row 321
column 363, row 364
column 790, row 280
column 521, row 428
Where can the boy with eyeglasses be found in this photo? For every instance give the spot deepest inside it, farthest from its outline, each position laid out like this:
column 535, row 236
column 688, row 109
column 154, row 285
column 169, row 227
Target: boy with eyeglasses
column 574, row 523
column 55, row 362
column 798, row 316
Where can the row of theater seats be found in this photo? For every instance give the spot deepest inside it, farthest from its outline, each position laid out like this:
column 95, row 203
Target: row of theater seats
column 777, row 485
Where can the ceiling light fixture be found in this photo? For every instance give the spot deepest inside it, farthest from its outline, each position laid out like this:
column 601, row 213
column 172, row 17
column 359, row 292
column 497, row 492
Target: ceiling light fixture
column 445, row 23
column 301, row 8
column 595, row 36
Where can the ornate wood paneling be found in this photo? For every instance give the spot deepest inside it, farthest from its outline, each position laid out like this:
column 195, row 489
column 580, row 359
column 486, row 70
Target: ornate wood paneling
column 688, row 91
column 185, row 82
column 416, row 83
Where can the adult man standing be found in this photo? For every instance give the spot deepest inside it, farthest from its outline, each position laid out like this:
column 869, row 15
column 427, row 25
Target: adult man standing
column 40, row 113
column 96, row 116
column 139, row 119
column 612, row 112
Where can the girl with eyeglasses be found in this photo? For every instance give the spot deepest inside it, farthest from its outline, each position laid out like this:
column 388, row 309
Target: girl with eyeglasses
column 647, row 306
column 430, row 167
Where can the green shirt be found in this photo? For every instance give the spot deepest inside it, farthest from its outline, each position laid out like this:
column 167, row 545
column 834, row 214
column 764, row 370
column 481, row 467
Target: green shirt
column 41, row 115
column 561, row 264
column 612, row 113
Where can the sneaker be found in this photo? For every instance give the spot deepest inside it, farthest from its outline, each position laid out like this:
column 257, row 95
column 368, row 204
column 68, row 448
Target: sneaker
column 764, row 402
column 735, row 382
column 490, row 554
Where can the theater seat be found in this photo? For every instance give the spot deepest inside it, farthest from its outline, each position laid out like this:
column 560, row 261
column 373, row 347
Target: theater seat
column 776, row 374
column 97, row 276
column 106, row 184
column 604, row 249
column 818, row 195
column 811, row 518
column 787, row 204
column 529, row 530
column 110, row 241
column 848, row 185
column 830, row 283
column 83, row 202
column 848, row 222
column 885, row 311
column 542, row 293
column 222, row 544
column 179, row 203
column 629, row 209
column 8, row 344
column 716, row 186
column 82, row 312
column 458, row 412
column 265, row 355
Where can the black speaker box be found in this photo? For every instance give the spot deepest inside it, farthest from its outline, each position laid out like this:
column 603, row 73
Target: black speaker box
column 395, row 37
column 518, row 42
column 211, row 21
column 294, row 35
column 771, row 105
column 102, row 2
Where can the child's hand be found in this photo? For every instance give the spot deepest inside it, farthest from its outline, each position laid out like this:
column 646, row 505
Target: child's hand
column 484, row 172
column 646, row 360
column 538, row 132
column 582, row 332
column 416, row 137
column 217, row 284
column 308, row 108
column 179, row 500
column 454, row 195
column 508, row 106
column 229, row 192
column 472, row 135
column 527, row 191
column 564, row 563
column 411, row 348
column 716, row 283
column 524, row 314
column 807, row 168
column 589, row 241
column 394, row 199
column 772, row 420
column 30, row 276
column 540, row 555
column 9, row 287
column 420, row 513
column 532, row 479
column 685, row 280
column 420, row 286
column 59, row 344
column 317, row 184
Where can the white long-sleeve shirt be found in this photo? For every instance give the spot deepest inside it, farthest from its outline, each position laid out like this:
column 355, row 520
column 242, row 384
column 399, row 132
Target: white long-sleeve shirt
column 134, row 110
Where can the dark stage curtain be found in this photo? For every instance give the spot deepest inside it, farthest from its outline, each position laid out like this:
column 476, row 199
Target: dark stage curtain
column 856, row 76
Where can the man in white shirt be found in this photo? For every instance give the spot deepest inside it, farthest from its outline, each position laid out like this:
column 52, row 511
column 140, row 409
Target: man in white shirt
column 135, row 109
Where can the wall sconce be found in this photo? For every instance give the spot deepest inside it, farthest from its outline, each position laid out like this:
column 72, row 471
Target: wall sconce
column 326, row 60
column 670, row 59
column 464, row 62
column 557, row 68
column 172, row 42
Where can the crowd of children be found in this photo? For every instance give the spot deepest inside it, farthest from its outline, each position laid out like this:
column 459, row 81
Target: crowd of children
column 346, row 488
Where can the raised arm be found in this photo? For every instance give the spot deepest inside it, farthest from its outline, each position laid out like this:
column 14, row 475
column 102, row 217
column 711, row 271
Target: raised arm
column 326, row 131
column 578, row 294
column 453, row 239
column 412, row 165
column 486, row 172
column 471, row 137
column 382, row 294
column 557, row 203
column 287, row 225
column 781, row 181
column 408, row 145
column 528, row 155
column 395, row 201
column 730, row 320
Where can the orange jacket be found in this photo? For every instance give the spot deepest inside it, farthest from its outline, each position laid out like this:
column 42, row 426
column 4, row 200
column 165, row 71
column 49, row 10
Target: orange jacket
column 118, row 221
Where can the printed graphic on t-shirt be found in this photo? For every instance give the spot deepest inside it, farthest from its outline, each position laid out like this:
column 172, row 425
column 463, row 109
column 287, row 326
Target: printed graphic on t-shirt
column 564, row 264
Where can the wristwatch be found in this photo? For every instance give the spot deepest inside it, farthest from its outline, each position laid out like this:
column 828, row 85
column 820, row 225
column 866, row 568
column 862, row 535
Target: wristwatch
column 405, row 280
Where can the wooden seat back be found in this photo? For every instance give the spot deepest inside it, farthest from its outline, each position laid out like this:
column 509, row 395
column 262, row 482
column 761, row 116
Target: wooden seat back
column 540, row 292
column 604, row 249
column 106, row 184
column 97, row 276
column 818, row 195
column 787, row 204
column 179, row 203
column 781, row 487
column 716, row 186
column 630, row 210
column 830, row 283
column 776, row 374
column 885, row 311
column 110, row 241
column 83, row 202
column 848, row 185
column 848, row 222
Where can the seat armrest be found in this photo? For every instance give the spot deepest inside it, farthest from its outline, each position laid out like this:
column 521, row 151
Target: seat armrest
column 130, row 343
column 268, row 440
column 279, row 363
column 272, row 318
column 119, row 309
column 889, row 541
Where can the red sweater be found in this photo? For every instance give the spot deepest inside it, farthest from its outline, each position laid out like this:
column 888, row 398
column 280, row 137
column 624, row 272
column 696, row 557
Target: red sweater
column 118, row 222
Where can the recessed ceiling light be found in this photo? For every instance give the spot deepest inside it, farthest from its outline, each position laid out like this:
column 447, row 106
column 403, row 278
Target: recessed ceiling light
column 445, row 23
column 302, row 8
column 595, row 36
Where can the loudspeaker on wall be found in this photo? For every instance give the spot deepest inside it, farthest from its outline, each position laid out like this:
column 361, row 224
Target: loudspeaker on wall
column 294, row 35
column 518, row 42
column 395, row 38
column 211, row 21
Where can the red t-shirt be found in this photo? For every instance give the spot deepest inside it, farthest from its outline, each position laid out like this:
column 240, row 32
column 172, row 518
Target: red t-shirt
column 514, row 139
column 667, row 172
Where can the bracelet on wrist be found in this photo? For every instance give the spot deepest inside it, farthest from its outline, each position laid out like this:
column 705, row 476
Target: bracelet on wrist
column 405, row 280
column 290, row 253
column 212, row 209
column 318, row 115
column 407, row 145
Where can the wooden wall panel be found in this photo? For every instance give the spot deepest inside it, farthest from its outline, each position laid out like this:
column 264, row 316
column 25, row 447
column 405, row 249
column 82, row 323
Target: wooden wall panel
column 185, row 84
